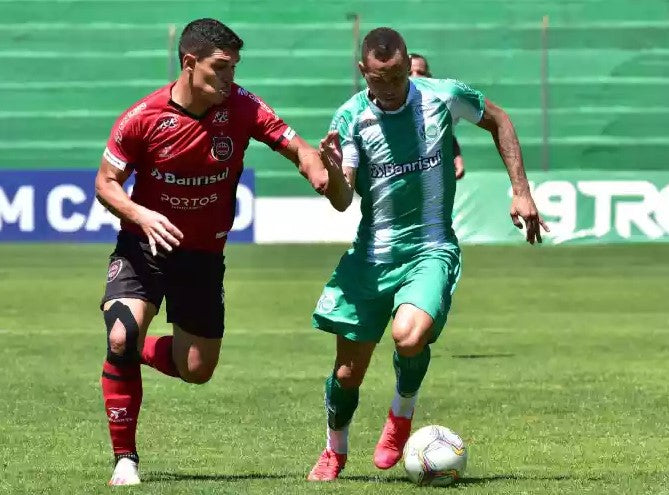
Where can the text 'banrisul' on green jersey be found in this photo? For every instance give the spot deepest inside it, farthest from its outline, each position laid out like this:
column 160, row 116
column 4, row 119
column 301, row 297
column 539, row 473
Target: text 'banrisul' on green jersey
column 404, row 159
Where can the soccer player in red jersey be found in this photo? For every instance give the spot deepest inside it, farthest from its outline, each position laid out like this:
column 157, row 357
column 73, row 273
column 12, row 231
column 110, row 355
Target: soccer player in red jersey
column 185, row 142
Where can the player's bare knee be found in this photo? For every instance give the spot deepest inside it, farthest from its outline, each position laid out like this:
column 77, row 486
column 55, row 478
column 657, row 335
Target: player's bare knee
column 410, row 345
column 403, row 331
column 404, row 335
column 196, row 378
column 117, row 338
column 410, row 337
column 196, row 371
column 409, row 348
column 122, row 335
column 348, row 377
column 198, row 375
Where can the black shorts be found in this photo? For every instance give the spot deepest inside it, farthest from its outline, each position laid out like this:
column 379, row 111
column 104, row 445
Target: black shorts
column 190, row 281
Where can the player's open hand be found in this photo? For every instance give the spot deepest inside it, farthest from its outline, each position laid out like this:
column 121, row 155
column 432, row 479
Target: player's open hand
column 159, row 230
column 330, row 150
column 522, row 206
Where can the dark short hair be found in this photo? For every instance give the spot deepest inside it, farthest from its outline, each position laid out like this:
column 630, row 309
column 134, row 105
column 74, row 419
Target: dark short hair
column 427, row 64
column 202, row 36
column 383, row 42
column 418, row 55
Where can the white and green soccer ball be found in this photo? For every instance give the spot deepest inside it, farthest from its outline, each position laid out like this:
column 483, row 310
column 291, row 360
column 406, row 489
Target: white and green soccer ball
column 435, row 456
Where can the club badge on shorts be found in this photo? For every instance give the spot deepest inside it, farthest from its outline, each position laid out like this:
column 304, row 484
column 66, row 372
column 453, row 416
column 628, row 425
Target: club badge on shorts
column 326, row 304
column 115, row 268
column 221, row 148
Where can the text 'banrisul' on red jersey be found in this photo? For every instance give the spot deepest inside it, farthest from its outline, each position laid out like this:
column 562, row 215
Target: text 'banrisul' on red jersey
column 187, row 167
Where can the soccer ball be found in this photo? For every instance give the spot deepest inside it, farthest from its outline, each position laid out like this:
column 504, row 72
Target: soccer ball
column 434, row 455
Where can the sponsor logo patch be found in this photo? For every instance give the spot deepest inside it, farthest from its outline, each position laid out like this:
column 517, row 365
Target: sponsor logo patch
column 169, row 122
column 166, row 152
column 378, row 171
column 220, row 117
column 188, row 203
column 253, row 97
column 118, row 415
column 199, row 180
column 126, row 118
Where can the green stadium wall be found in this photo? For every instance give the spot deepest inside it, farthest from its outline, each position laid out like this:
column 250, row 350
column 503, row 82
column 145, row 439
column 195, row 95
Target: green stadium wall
column 70, row 67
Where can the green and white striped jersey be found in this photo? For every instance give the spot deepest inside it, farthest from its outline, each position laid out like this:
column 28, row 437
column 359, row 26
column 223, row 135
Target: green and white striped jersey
column 404, row 159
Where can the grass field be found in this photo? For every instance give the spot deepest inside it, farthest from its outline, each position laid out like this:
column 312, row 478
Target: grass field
column 554, row 369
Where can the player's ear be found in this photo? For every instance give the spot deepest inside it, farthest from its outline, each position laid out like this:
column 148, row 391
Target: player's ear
column 361, row 67
column 189, row 62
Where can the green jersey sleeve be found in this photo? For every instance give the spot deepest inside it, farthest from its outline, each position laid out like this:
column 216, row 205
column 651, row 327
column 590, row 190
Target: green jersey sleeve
column 463, row 101
column 342, row 122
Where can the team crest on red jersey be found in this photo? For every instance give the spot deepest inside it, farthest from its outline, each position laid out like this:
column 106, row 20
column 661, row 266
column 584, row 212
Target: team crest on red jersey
column 221, row 148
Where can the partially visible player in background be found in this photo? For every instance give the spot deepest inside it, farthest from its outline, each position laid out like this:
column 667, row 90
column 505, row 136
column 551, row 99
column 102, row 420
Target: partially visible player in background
column 185, row 142
column 396, row 152
column 421, row 68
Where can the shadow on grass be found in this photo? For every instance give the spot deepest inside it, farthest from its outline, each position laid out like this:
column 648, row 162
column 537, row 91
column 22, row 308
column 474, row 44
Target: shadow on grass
column 523, row 477
column 481, row 356
column 154, row 477
column 157, row 476
column 479, row 480
column 165, row 476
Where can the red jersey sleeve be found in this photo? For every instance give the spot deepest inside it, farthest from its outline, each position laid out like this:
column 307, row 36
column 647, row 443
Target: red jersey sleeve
column 124, row 146
column 269, row 128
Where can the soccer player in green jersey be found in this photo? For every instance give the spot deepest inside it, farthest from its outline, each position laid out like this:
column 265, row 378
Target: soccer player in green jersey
column 393, row 144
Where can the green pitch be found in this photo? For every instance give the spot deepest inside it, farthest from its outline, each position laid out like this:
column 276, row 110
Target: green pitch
column 554, row 369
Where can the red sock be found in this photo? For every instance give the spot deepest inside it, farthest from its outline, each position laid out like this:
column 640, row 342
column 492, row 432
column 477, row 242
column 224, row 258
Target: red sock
column 157, row 353
column 122, row 393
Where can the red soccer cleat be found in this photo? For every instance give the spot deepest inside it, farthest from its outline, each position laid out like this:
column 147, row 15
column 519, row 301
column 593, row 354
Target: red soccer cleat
column 328, row 466
column 394, row 436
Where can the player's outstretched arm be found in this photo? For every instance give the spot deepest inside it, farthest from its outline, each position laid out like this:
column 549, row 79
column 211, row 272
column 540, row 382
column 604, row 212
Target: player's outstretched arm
column 311, row 166
column 109, row 191
column 497, row 122
column 306, row 158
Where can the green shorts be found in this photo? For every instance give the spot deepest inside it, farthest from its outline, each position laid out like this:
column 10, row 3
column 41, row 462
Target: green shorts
column 360, row 297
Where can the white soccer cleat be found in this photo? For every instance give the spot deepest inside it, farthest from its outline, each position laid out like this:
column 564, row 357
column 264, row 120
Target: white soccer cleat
column 125, row 473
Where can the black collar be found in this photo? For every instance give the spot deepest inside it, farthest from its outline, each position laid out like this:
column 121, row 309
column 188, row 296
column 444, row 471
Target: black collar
column 174, row 104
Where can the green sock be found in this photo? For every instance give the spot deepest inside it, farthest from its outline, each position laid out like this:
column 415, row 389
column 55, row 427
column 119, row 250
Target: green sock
column 340, row 403
column 410, row 371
